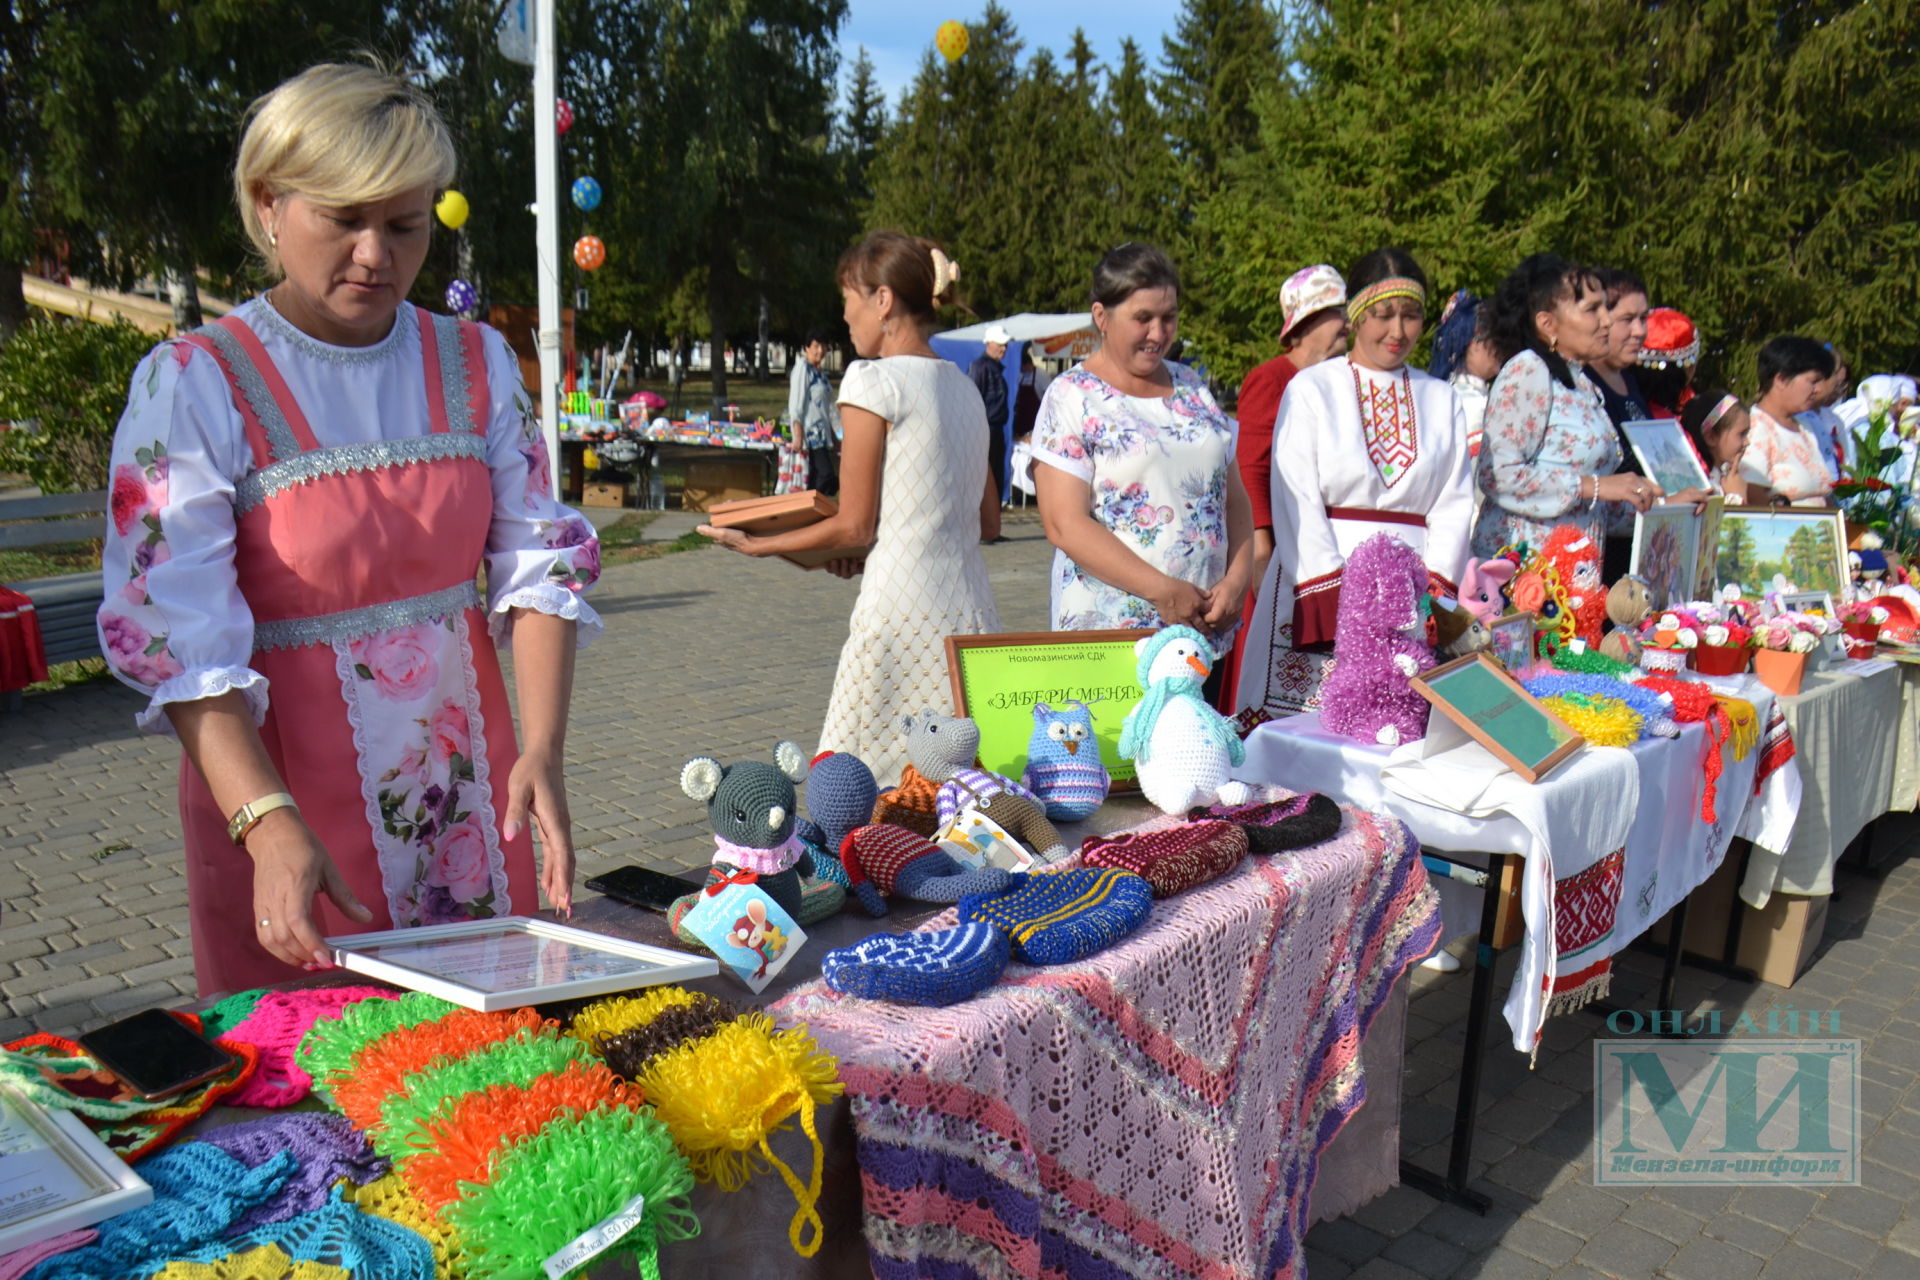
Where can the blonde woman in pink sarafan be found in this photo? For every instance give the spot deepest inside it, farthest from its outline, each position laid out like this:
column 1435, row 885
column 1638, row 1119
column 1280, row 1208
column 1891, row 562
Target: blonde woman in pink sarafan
column 302, row 496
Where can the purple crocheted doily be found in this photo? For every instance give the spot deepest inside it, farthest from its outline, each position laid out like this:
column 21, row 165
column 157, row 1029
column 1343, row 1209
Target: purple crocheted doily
column 327, row 1147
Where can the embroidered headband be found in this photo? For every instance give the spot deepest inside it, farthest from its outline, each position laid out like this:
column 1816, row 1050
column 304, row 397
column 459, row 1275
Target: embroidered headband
column 1381, row 290
column 946, row 272
column 1718, row 412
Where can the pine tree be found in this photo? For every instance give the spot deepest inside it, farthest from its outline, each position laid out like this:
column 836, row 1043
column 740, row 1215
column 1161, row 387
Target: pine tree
column 1141, row 172
column 1222, row 56
column 862, row 125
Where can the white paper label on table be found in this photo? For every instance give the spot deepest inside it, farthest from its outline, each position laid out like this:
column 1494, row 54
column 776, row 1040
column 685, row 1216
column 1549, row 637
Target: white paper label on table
column 1864, row 666
column 597, row 1239
column 749, row 933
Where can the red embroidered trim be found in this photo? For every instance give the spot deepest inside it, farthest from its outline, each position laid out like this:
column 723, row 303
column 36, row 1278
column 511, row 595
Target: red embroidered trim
column 1390, row 423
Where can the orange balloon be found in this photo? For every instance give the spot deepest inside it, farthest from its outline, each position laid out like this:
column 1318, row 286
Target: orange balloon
column 951, row 40
column 589, row 252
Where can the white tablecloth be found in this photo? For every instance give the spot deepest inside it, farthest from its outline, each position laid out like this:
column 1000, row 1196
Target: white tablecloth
column 1668, row 849
column 1846, row 732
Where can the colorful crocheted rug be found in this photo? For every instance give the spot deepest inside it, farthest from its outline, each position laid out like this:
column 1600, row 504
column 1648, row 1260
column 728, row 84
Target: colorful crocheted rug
column 1156, row 1109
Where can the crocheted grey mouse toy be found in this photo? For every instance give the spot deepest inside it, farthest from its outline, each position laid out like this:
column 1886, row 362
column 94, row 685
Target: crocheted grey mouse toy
column 752, row 808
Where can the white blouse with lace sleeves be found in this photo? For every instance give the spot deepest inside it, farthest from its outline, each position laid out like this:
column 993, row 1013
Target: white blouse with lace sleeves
column 540, row 555
column 173, row 623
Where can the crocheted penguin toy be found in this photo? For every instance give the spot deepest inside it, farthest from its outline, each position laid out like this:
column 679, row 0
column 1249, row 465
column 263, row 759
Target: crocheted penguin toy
column 1379, row 644
column 943, row 749
column 1063, row 762
column 1183, row 750
column 841, row 791
column 751, row 806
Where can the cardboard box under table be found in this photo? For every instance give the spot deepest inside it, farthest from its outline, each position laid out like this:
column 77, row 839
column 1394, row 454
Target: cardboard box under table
column 1225, row 1080
column 1667, row 851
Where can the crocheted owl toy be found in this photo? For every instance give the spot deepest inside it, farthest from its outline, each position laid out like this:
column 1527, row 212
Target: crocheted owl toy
column 943, row 749
column 841, row 791
column 1063, row 762
column 1379, row 644
column 1183, row 750
column 751, row 806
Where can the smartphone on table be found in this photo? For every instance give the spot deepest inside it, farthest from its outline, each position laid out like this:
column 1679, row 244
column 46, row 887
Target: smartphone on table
column 643, row 887
column 155, row 1054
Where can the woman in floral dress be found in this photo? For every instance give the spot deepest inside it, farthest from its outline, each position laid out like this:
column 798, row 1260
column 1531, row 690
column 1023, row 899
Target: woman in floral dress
column 1138, row 488
column 1550, row 453
column 302, row 495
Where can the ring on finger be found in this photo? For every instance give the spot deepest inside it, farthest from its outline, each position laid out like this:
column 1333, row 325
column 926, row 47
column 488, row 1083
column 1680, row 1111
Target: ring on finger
column 265, row 923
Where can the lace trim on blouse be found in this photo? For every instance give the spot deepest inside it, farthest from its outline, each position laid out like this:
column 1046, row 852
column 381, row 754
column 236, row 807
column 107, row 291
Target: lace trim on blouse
column 545, row 597
column 202, row 682
column 403, row 325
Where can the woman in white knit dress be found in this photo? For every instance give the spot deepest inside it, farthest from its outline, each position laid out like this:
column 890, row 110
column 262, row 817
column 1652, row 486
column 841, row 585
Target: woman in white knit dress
column 914, row 486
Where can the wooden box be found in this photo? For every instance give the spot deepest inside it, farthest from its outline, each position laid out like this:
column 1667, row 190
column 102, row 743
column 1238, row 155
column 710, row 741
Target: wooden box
column 783, row 513
column 712, row 481
column 601, row 493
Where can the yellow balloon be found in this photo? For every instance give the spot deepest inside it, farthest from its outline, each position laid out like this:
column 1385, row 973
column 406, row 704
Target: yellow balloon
column 452, row 209
column 951, row 40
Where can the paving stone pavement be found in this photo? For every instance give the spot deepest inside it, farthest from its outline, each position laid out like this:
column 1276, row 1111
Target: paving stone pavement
column 712, row 654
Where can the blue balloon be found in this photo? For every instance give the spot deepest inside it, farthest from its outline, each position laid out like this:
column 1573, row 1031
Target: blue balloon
column 586, row 194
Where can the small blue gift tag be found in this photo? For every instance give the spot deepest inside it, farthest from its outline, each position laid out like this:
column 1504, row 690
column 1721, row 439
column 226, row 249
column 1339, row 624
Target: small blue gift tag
column 749, row 933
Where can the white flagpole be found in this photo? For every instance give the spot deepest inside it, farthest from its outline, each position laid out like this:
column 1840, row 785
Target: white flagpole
column 546, row 235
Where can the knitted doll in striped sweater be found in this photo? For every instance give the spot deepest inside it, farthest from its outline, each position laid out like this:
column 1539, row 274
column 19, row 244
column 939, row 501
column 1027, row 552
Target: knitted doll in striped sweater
column 1063, row 762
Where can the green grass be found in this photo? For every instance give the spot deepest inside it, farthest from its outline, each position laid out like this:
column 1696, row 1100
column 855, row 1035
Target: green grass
column 63, row 675
column 49, row 561
column 624, row 541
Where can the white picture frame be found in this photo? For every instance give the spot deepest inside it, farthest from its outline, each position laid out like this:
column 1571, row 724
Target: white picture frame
column 513, row 961
column 1817, row 603
column 1665, row 455
column 55, row 1175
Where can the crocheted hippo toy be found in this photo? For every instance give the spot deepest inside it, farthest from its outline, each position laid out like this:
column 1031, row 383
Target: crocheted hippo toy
column 1379, row 644
column 752, row 808
column 942, row 749
column 841, row 792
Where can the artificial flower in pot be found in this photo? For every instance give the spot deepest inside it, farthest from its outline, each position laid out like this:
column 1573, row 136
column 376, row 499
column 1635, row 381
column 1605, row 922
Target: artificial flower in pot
column 1783, row 643
column 1726, row 644
column 1669, row 638
column 1862, row 620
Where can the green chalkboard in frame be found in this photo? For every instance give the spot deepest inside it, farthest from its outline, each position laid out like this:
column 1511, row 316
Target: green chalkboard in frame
column 1476, row 694
column 997, row 679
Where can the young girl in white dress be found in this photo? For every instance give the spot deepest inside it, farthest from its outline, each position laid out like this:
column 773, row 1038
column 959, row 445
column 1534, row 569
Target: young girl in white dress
column 914, row 429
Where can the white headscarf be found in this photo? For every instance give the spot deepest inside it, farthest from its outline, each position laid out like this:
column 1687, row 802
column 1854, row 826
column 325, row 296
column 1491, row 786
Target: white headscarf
column 1880, row 390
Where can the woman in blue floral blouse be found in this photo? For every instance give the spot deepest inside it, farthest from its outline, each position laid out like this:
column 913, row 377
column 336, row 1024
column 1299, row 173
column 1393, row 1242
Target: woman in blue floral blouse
column 1138, row 488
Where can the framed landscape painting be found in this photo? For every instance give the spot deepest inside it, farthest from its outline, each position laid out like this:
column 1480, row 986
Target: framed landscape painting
column 1804, row 546
column 1665, row 454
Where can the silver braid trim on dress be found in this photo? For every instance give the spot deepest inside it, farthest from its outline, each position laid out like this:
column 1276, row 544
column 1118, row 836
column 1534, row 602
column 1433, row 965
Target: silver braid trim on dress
column 254, row 387
column 454, row 382
column 352, row 624
column 403, row 323
column 277, row 477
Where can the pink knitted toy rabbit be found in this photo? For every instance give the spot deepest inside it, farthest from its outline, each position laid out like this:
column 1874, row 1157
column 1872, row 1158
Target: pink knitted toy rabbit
column 1480, row 587
column 1378, row 642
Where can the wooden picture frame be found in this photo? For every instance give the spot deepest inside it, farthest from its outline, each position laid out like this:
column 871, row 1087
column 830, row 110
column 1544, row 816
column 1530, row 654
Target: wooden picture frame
column 783, row 513
column 1513, row 641
column 1665, row 455
column 997, row 679
column 1754, row 543
column 1475, row 690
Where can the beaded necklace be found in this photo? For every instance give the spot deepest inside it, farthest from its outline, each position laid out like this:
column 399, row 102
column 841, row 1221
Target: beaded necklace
column 1390, row 423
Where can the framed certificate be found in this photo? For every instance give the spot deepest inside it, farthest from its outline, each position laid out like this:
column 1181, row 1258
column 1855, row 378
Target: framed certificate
column 1477, row 694
column 55, row 1176
column 513, row 961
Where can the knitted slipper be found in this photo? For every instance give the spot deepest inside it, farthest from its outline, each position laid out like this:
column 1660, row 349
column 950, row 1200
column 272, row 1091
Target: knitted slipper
column 1171, row 859
column 1056, row 917
column 937, row 968
column 1276, row 826
column 884, row 860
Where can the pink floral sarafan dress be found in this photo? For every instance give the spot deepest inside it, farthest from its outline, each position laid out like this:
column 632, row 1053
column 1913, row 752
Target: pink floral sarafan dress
column 305, row 523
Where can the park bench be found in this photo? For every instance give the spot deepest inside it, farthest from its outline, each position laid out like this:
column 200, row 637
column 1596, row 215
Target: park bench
column 65, row 604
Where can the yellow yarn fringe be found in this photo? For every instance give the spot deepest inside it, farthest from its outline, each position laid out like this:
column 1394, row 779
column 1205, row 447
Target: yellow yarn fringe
column 389, row 1198
column 604, row 1019
column 1602, row 721
column 1744, row 718
column 264, row 1262
column 722, row 1096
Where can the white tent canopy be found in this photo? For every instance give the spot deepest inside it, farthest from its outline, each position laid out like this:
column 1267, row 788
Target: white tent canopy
column 1028, row 326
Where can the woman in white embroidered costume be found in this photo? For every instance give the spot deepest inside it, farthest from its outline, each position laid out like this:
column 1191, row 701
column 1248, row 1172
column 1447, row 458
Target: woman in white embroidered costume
column 1364, row 444
column 302, row 494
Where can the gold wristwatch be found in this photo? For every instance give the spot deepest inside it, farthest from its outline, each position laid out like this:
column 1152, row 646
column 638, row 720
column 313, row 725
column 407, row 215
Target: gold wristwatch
column 248, row 815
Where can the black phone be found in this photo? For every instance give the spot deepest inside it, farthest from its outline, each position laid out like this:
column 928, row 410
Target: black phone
column 155, row 1054
column 643, row 887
